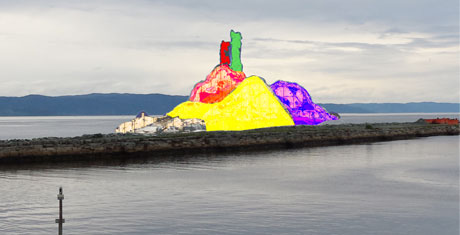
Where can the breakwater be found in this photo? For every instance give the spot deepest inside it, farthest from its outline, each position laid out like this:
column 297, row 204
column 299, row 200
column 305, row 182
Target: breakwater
column 89, row 147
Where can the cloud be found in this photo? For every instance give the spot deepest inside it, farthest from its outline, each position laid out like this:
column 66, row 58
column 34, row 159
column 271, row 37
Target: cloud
column 341, row 51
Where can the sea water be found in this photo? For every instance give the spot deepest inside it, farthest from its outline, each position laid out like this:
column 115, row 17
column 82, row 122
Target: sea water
column 395, row 187
column 69, row 126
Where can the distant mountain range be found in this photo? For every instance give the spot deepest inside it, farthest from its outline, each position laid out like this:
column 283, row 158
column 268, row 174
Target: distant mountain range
column 159, row 104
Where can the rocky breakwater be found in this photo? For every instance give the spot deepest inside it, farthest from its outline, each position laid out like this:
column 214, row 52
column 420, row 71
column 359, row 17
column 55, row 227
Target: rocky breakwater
column 89, row 147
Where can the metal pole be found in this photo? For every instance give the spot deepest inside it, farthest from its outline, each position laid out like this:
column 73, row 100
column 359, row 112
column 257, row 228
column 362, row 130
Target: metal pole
column 60, row 221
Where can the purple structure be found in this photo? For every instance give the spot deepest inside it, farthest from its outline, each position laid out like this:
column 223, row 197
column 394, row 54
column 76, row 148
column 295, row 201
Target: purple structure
column 298, row 102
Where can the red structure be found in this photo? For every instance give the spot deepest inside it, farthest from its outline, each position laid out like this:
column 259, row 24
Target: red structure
column 447, row 121
column 225, row 53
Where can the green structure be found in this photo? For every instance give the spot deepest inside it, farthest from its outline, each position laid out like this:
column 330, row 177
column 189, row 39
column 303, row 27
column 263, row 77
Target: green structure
column 235, row 63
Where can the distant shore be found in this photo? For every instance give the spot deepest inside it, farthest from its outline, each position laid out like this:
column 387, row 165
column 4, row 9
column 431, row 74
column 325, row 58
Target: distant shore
column 159, row 104
column 98, row 146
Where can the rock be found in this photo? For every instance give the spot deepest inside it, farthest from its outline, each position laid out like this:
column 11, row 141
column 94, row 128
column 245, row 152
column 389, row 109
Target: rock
column 298, row 102
column 168, row 124
column 335, row 114
column 251, row 105
column 218, row 84
column 149, row 129
column 421, row 121
column 235, row 63
column 142, row 120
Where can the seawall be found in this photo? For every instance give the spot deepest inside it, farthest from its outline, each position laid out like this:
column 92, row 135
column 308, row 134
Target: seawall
column 89, row 147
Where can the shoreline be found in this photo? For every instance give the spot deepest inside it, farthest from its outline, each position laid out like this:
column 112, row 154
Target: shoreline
column 109, row 146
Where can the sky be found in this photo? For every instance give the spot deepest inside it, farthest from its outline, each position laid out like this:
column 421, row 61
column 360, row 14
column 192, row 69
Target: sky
column 355, row 51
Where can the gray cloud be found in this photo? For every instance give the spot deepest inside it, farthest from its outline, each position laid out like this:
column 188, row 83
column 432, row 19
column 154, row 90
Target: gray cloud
column 341, row 51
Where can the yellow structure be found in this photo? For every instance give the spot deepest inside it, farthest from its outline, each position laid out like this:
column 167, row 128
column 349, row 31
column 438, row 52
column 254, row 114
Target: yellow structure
column 251, row 105
column 137, row 123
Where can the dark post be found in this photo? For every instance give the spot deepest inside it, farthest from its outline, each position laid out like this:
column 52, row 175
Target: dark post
column 60, row 221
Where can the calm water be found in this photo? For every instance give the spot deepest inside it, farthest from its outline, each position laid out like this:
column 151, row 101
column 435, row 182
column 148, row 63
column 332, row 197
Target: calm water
column 397, row 187
column 58, row 126
column 69, row 126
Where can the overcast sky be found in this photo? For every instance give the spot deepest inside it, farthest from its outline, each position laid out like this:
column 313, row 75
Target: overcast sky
column 340, row 51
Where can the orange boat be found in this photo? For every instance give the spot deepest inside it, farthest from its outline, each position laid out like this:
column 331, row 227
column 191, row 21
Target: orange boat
column 448, row 121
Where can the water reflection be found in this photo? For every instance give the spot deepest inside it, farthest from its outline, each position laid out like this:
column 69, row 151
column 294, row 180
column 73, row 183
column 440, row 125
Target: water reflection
column 183, row 160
